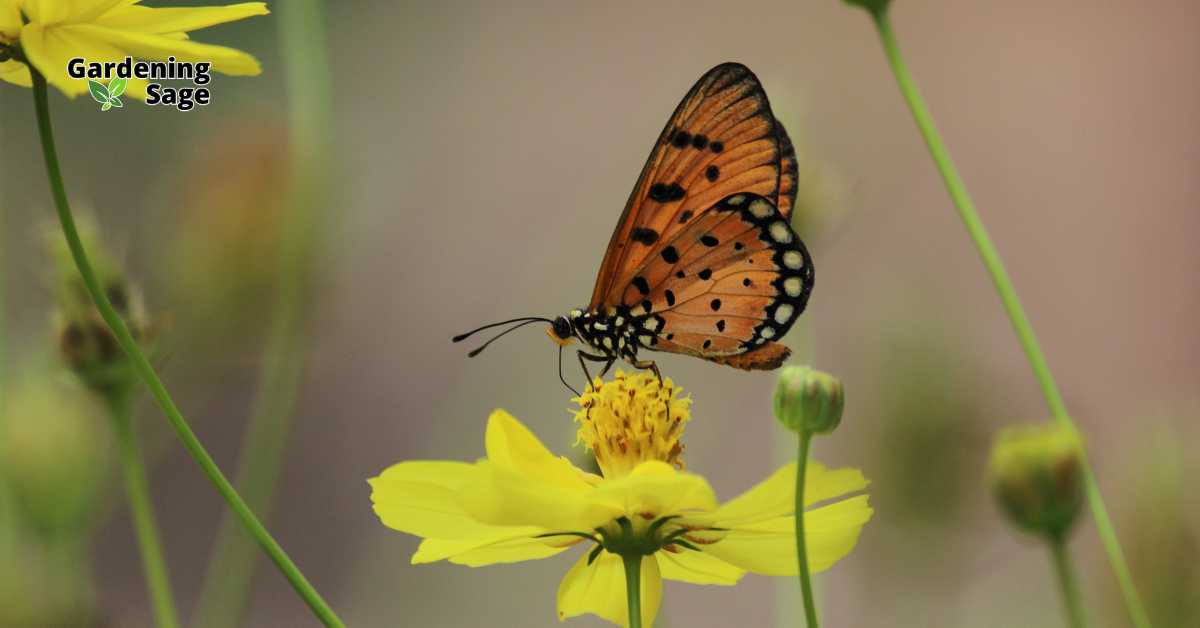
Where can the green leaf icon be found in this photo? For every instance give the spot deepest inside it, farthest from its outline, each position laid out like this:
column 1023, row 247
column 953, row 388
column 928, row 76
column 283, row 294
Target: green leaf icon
column 116, row 102
column 116, row 87
column 99, row 91
column 106, row 106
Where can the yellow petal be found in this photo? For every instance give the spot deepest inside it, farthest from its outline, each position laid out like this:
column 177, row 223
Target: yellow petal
column 510, row 445
column 169, row 20
column 46, row 12
column 697, row 568
column 769, row 547
column 776, row 495
column 88, row 10
column 420, row 498
column 502, row 548
column 600, row 589
column 159, row 47
column 501, row 496
column 10, row 20
column 658, row 489
column 16, row 73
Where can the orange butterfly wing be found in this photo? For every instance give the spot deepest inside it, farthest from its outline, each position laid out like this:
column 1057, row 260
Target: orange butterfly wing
column 721, row 140
column 704, row 252
column 726, row 287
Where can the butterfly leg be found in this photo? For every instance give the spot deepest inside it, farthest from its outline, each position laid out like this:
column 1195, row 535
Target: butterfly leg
column 649, row 364
column 583, row 355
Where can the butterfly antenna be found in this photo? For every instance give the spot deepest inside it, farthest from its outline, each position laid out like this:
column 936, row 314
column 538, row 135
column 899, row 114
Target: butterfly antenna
column 462, row 337
column 504, row 333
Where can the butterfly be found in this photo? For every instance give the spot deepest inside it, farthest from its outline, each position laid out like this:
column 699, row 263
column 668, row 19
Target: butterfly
column 704, row 261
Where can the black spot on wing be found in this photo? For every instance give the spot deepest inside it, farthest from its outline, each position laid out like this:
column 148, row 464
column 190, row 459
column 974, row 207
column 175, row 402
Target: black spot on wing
column 681, row 138
column 666, row 193
column 641, row 284
column 670, row 255
column 644, row 235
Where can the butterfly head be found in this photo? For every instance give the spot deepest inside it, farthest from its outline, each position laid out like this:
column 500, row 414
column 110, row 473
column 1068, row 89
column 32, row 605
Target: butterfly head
column 561, row 331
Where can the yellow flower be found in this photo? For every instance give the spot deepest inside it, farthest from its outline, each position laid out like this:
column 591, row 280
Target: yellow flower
column 522, row 502
column 56, row 31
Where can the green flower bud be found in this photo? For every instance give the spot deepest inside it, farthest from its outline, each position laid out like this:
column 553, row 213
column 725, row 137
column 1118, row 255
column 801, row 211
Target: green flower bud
column 807, row 400
column 54, row 455
column 1036, row 472
column 84, row 340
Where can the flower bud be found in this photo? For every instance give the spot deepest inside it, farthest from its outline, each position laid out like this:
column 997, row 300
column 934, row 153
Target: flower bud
column 84, row 340
column 809, row 401
column 1036, row 472
column 54, row 455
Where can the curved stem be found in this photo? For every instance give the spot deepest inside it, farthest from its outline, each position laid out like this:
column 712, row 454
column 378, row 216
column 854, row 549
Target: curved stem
column 633, row 587
column 149, row 542
column 227, row 582
column 1012, row 305
column 810, row 604
column 1067, row 583
column 146, row 372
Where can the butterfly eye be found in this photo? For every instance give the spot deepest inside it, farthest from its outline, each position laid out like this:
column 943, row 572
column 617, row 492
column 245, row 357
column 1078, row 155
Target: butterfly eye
column 562, row 328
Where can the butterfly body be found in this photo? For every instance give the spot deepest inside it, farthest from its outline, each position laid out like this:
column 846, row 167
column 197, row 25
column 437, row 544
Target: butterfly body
column 703, row 261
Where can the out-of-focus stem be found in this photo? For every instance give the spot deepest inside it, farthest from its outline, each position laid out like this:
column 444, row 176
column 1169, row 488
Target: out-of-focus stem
column 1012, row 304
column 137, row 489
column 147, row 374
column 227, row 585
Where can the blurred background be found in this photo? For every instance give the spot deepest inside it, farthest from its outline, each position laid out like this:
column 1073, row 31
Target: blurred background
column 481, row 156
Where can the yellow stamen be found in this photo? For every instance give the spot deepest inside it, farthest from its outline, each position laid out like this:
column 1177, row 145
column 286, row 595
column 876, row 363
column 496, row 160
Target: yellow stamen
column 625, row 422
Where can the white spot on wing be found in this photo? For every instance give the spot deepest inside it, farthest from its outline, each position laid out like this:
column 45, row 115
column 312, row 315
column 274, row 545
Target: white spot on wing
column 793, row 260
column 737, row 200
column 761, row 208
column 780, row 233
column 768, row 332
column 783, row 313
column 792, row 286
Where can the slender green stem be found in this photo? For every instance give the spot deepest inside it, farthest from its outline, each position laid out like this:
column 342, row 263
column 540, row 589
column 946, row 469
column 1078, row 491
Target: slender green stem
column 1067, row 583
column 810, row 604
column 1012, row 305
column 146, row 372
column 136, row 486
column 633, row 587
column 227, row 582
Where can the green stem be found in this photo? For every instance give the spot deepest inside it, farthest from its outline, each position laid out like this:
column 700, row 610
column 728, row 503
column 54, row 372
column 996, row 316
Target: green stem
column 633, row 587
column 227, row 582
column 146, row 372
column 149, row 542
column 810, row 605
column 1068, row 586
column 1012, row 305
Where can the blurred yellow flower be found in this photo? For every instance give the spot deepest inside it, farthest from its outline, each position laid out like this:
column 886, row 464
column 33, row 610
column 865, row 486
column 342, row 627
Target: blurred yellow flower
column 522, row 503
column 55, row 31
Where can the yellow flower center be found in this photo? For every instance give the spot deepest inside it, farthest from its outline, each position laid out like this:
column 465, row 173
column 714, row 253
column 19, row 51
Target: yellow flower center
column 632, row 419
